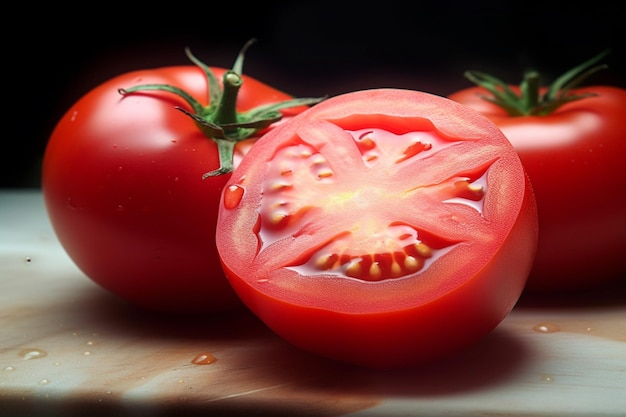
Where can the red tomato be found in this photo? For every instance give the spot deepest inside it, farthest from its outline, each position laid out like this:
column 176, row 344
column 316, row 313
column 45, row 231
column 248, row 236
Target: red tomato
column 574, row 155
column 383, row 228
column 124, row 189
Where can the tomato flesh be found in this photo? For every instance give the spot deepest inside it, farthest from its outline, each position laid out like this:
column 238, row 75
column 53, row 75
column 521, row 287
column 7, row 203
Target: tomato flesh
column 377, row 246
column 384, row 228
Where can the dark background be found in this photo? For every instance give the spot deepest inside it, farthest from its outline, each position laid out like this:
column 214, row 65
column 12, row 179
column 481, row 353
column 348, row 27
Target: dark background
column 305, row 49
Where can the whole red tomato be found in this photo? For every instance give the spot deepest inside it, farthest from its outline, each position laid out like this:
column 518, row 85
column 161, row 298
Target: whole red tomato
column 131, row 184
column 572, row 142
column 384, row 228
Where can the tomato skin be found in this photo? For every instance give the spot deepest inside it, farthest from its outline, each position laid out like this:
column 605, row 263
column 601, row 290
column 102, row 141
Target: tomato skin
column 389, row 323
column 123, row 188
column 575, row 160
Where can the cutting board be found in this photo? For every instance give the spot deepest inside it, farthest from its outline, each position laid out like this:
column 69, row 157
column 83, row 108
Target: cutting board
column 68, row 347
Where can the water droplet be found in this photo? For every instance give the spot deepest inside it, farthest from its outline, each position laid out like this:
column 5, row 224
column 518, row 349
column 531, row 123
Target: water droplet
column 9, row 368
column 204, row 358
column 72, row 205
column 44, row 381
column 86, row 353
column 546, row 328
column 547, row 378
column 232, row 196
column 28, row 354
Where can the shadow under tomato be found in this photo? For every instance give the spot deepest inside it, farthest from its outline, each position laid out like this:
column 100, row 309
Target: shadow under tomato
column 613, row 294
column 100, row 306
column 488, row 362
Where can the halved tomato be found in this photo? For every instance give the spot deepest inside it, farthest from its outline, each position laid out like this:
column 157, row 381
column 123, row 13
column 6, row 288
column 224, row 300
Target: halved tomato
column 383, row 228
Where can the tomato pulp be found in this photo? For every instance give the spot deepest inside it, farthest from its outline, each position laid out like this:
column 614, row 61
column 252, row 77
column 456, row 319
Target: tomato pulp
column 384, row 228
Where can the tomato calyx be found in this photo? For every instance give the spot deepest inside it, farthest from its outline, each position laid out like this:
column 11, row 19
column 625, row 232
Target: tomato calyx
column 529, row 101
column 219, row 120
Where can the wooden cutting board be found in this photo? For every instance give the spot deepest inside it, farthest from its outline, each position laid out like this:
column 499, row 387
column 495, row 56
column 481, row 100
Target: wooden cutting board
column 67, row 347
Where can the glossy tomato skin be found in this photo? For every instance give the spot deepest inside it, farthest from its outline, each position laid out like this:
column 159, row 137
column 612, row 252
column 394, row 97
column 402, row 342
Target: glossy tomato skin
column 575, row 160
column 305, row 191
column 123, row 188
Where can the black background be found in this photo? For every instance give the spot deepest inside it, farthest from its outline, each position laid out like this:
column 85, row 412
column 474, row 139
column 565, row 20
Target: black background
column 307, row 49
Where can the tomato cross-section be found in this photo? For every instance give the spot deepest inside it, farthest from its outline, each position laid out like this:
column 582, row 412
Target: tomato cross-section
column 384, row 228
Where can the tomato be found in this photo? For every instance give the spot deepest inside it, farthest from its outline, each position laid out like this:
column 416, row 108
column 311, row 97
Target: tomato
column 572, row 142
column 123, row 179
column 383, row 228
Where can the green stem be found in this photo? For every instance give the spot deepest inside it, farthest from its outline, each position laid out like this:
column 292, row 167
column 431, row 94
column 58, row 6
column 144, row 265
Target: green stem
column 226, row 111
column 530, row 91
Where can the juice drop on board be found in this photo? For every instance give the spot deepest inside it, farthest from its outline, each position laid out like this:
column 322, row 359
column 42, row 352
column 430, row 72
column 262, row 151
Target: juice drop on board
column 204, row 358
column 27, row 354
column 546, row 328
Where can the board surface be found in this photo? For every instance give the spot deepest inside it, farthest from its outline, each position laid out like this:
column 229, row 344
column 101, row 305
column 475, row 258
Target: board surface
column 68, row 347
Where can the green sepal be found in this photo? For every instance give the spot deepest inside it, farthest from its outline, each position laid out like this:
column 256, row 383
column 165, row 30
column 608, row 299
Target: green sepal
column 219, row 120
column 529, row 101
column 195, row 105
